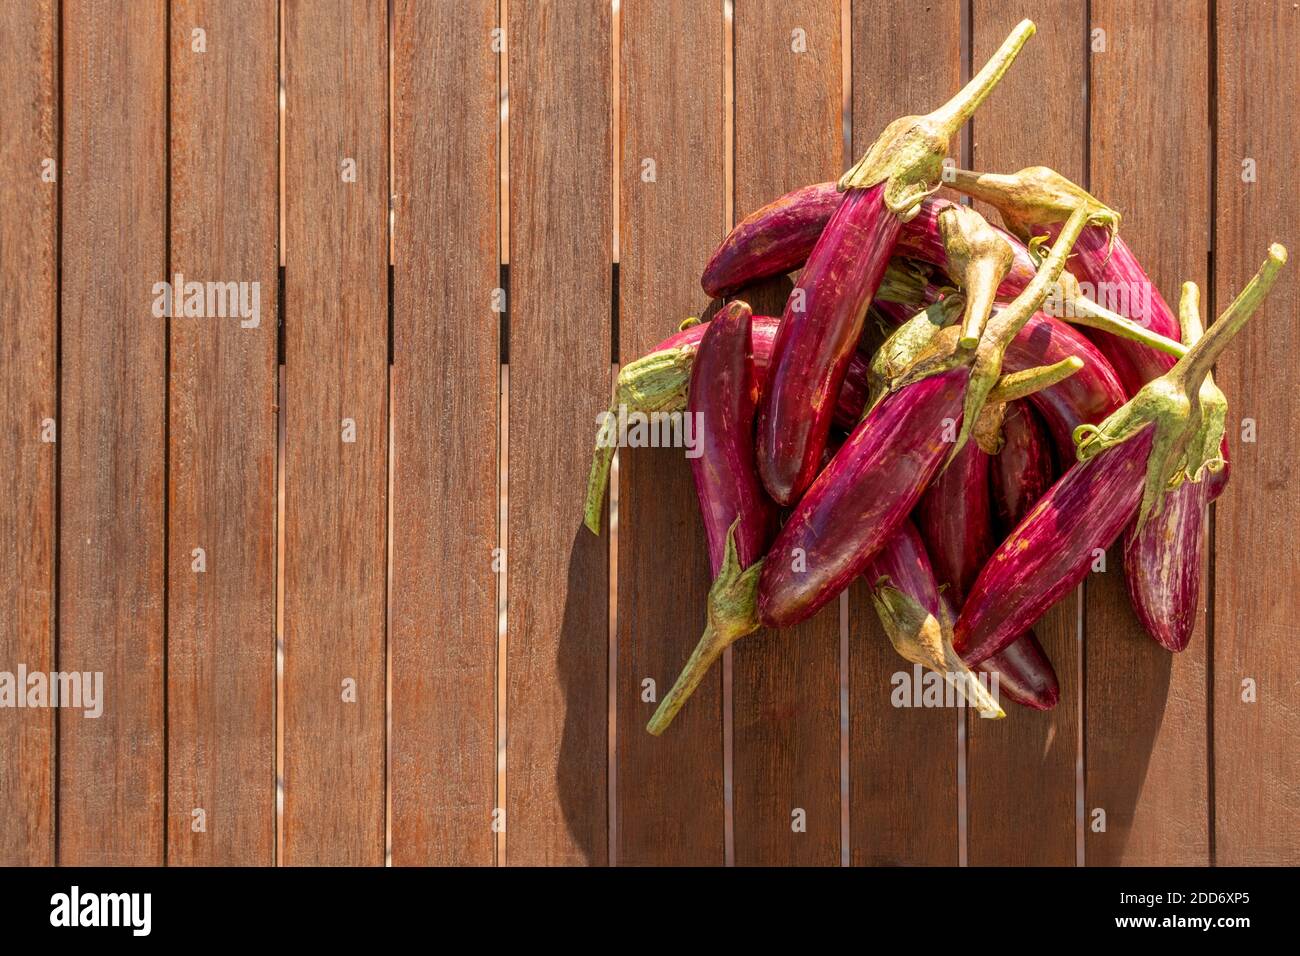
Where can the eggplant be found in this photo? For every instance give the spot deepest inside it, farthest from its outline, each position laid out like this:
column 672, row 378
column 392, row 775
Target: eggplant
column 1160, row 437
column 823, row 317
column 739, row 518
column 1023, row 469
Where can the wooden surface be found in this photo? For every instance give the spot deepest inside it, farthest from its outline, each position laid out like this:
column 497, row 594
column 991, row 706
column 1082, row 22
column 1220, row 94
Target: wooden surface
column 669, row 789
column 786, row 686
column 1145, row 736
column 445, row 369
column 903, row 785
column 221, row 440
column 1021, row 772
column 1257, row 557
column 28, row 397
column 336, row 347
column 112, row 440
column 171, row 160
column 560, row 306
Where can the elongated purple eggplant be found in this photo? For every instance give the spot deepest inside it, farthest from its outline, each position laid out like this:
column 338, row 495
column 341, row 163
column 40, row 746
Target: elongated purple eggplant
column 779, row 237
column 918, row 619
column 824, row 314
column 1126, row 465
column 739, row 518
column 1023, row 469
column 722, row 400
column 955, row 520
column 772, row 240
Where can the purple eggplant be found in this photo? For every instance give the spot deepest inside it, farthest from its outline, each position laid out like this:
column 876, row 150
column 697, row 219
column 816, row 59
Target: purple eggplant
column 1023, row 468
column 823, row 316
column 739, row 518
column 1162, row 436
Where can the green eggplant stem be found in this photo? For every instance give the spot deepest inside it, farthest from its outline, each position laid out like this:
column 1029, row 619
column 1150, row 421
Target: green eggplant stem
column 1017, row 385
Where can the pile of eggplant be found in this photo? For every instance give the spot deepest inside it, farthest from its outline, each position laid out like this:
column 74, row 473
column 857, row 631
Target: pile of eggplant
column 937, row 385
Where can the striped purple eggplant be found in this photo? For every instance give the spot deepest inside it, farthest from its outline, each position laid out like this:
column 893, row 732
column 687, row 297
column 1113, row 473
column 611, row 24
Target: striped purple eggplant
column 722, row 399
column 772, row 240
column 1023, row 468
column 1125, row 468
column 739, row 518
column 823, row 316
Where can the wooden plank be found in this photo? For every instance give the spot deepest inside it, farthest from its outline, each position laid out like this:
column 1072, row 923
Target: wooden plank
column 558, row 602
column 221, row 464
column 1145, row 737
column 445, row 383
column 670, row 798
column 28, row 398
column 1022, row 771
column 1257, row 556
column 902, row 762
column 336, row 425
column 113, row 406
column 786, row 686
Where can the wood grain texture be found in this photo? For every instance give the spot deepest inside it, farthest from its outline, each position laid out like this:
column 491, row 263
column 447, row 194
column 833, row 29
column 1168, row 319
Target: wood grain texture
column 221, row 464
column 670, row 799
column 445, row 383
column 786, row 686
column 902, row 762
column 558, row 594
column 112, row 438
column 1257, row 558
column 336, row 344
column 1022, row 771
column 1144, row 727
column 28, row 397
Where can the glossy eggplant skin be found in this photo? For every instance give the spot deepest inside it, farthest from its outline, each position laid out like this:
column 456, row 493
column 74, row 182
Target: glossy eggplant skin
column 1051, row 550
column 722, row 398
column 1162, row 566
column 817, row 337
column 861, row 498
column 1086, row 397
column 955, row 518
column 1023, row 470
column 772, row 240
column 853, row 393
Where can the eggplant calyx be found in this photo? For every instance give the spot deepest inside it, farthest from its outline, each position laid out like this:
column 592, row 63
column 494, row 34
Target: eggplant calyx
column 1188, row 434
column 906, row 344
column 979, row 258
column 908, row 155
column 732, row 614
column 653, row 383
column 923, row 638
column 1034, row 196
column 904, row 282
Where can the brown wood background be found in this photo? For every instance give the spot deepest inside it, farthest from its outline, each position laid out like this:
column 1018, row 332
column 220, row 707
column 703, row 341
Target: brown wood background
column 380, row 663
